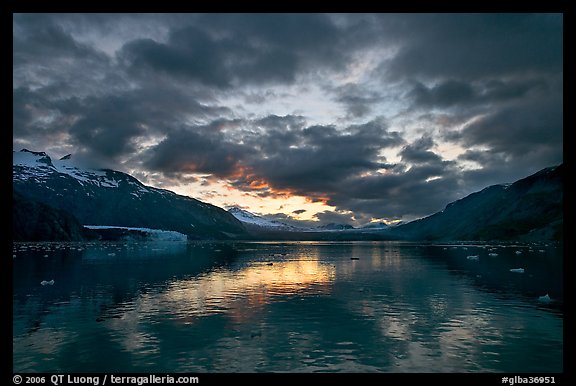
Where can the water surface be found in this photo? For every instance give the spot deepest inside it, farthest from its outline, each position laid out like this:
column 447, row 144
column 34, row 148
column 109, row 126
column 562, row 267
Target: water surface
column 287, row 307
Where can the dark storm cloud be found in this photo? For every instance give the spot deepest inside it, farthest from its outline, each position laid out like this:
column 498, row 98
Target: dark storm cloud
column 197, row 59
column 357, row 100
column 41, row 37
column 518, row 129
column 272, row 134
column 312, row 39
column 328, row 216
column 284, row 123
column 286, row 157
column 450, row 93
column 499, row 73
column 496, row 168
column 50, row 42
column 401, row 193
column 107, row 125
column 468, row 46
column 27, row 109
column 314, row 159
column 65, row 88
column 146, row 89
column 419, row 152
column 234, row 49
column 198, row 149
column 445, row 94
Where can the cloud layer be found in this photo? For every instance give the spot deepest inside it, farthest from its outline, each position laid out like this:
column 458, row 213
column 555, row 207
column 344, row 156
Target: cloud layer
column 378, row 115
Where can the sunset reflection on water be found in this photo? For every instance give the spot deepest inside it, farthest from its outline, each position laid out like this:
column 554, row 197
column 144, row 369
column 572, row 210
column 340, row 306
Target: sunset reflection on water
column 282, row 306
column 251, row 287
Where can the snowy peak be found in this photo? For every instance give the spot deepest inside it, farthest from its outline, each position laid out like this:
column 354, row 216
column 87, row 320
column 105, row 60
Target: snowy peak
column 29, row 158
column 241, row 214
column 114, row 198
column 254, row 220
column 251, row 218
column 39, row 154
column 39, row 167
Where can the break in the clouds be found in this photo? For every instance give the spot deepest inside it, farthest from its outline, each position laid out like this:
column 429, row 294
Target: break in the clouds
column 324, row 117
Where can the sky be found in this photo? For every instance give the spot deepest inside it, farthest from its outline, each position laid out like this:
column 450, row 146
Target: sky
column 346, row 118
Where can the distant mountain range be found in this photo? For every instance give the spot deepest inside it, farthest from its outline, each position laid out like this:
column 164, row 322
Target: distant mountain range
column 51, row 198
column 254, row 221
column 108, row 197
column 529, row 209
column 263, row 223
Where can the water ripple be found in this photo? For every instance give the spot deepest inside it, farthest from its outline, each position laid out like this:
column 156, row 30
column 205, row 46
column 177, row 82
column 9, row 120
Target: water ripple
column 277, row 307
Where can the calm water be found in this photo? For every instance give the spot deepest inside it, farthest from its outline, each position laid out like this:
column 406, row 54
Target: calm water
column 287, row 307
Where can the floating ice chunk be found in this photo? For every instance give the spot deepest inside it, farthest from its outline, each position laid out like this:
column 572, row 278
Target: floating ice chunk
column 517, row 270
column 44, row 282
column 544, row 299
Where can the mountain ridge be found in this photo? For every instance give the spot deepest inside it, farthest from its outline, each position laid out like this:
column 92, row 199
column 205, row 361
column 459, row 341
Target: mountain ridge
column 253, row 219
column 109, row 197
column 530, row 208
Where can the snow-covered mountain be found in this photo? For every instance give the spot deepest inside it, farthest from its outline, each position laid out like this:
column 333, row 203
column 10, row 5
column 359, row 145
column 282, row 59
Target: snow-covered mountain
column 39, row 167
column 113, row 198
column 256, row 222
column 260, row 221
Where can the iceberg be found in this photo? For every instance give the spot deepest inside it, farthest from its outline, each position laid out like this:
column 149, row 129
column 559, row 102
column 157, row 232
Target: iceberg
column 544, row 299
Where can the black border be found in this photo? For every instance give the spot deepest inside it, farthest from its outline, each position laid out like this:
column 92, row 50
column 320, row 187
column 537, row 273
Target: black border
column 566, row 7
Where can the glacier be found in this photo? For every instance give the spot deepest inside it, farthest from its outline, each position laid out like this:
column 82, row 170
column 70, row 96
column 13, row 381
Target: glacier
column 153, row 234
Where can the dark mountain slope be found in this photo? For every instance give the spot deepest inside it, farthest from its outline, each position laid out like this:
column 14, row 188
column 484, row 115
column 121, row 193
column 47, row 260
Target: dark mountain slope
column 108, row 197
column 35, row 221
column 530, row 209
